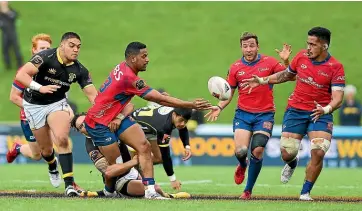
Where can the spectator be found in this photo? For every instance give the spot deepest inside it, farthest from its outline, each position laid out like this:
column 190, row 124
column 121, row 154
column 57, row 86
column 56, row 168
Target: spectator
column 350, row 111
column 8, row 18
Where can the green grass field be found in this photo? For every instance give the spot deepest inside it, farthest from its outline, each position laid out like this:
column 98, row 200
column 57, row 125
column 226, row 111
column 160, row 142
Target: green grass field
column 188, row 41
column 197, row 180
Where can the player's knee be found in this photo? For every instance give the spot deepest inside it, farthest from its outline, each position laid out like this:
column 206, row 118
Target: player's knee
column 258, row 143
column 241, row 152
column 62, row 141
column 320, row 144
column 290, row 146
column 145, row 147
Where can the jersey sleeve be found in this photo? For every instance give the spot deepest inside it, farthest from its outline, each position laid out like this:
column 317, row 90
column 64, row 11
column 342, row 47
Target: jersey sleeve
column 138, row 86
column 277, row 67
column 40, row 59
column 18, row 85
column 85, row 77
column 338, row 77
column 294, row 64
column 231, row 78
column 184, row 136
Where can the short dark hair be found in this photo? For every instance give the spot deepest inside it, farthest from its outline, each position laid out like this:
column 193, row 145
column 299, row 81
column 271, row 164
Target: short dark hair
column 74, row 120
column 134, row 48
column 322, row 33
column 184, row 112
column 69, row 35
column 249, row 35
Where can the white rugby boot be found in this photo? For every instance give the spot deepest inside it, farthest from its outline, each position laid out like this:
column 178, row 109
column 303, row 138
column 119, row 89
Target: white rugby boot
column 54, row 176
column 305, row 197
column 287, row 173
column 154, row 195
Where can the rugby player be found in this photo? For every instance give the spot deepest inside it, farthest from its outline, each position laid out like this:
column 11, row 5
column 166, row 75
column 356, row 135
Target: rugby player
column 48, row 76
column 129, row 182
column 119, row 88
column 318, row 92
column 254, row 117
column 30, row 150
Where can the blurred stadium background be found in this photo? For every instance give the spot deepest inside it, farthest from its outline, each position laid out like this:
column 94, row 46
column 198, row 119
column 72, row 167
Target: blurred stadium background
column 189, row 42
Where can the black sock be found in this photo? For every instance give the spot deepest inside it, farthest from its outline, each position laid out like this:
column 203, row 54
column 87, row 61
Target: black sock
column 52, row 165
column 293, row 163
column 66, row 162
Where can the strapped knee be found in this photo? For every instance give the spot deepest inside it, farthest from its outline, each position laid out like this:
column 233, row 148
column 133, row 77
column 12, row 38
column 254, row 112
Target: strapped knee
column 320, row 143
column 259, row 140
column 291, row 145
column 241, row 152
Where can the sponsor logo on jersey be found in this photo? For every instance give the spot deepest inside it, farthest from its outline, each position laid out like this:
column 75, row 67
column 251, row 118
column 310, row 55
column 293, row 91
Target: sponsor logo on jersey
column 37, row 60
column 52, row 71
column 72, row 76
column 262, row 69
column 303, row 66
column 140, row 84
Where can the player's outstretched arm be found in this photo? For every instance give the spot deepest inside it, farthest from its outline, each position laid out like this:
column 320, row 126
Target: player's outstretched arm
column 168, row 167
column 16, row 97
column 216, row 110
column 155, row 96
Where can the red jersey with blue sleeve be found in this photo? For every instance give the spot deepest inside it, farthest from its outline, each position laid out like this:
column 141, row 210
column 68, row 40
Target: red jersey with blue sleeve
column 261, row 98
column 17, row 85
column 116, row 92
column 314, row 81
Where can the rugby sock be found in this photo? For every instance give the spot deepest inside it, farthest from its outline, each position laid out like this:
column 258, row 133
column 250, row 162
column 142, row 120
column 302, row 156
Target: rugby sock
column 293, row 163
column 242, row 161
column 253, row 172
column 307, row 187
column 150, row 183
column 112, row 188
column 66, row 162
column 52, row 165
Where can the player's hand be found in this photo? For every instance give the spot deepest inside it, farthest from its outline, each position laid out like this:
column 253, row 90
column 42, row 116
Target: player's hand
column 252, row 83
column 49, row 89
column 176, row 185
column 114, row 125
column 285, row 52
column 213, row 114
column 201, row 104
column 187, row 154
column 317, row 112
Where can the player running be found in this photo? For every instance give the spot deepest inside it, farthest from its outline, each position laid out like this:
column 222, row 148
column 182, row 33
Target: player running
column 318, row 92
column 254, row 117
column 30, row 150
column 48, row 76
column 119, row 88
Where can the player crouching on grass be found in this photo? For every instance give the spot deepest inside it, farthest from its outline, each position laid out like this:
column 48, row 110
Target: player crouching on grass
column 129, row 181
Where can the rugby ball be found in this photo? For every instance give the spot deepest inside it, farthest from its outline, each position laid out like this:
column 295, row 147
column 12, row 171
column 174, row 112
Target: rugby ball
column 219, row 88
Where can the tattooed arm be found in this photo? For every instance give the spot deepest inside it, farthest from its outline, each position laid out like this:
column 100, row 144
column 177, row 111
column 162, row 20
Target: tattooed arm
column 280, row 77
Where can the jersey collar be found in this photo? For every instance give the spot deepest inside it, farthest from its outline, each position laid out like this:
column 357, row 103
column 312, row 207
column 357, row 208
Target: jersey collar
column 321, row 62
column 60, row 60
column 251, row 63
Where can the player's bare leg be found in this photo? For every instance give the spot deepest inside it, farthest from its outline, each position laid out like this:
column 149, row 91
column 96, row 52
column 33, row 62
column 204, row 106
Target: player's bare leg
column 31, row 150
column 157, row 157
column 320, row 142
column 289, row 147
column 111, row 153
column 135, row 138
column 258, row 143
column 59, row 125
column 242, row 140
column 46, row 147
